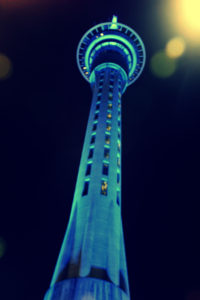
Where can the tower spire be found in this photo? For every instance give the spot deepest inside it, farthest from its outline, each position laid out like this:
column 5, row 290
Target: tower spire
column 92, row 260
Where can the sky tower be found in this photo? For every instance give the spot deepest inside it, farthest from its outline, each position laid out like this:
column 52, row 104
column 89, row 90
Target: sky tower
column 92, row 261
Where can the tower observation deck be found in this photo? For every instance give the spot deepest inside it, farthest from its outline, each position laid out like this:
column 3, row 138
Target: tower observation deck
column 92, row 261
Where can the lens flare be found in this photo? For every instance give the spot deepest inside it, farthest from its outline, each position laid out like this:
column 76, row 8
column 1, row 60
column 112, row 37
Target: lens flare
column 5, row 67
column 161, row 65
column 175, row 47
column 191, row 13
column 186, row 16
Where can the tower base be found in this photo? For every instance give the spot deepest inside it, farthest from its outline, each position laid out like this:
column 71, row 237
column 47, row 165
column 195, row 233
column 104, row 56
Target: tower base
column 85, row 289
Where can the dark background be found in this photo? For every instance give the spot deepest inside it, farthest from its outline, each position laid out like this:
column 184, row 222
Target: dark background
column 44, row 106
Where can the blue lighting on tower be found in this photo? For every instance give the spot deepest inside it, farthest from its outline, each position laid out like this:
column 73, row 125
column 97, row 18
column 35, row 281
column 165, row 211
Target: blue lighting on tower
column 92, row 261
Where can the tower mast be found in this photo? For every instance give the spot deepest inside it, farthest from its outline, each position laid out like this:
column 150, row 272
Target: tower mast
column 92, row 261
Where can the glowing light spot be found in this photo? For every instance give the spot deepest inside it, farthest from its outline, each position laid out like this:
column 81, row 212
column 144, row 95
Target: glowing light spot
column 2, row 247
column 114, row 23
column 108, row 128
column 5, row 67
column 175, row 47
column 104, row 188
column 187, row 17
column 162, row 65
column 101, row 34
column 191, row 13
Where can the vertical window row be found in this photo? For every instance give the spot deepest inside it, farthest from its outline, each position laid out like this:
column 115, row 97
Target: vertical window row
column 92, row 141
column 119, row 141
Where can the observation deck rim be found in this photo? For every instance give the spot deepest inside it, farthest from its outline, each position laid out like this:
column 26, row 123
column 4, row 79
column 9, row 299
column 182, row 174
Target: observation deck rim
column 114, row 30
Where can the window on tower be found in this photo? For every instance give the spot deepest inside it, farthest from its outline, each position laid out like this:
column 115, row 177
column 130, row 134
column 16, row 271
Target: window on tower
column 92, row 140
column 96, row 116
column 104, row 187
column 91, row 153
column 109, row 116
column 111, row 89
column 85, row 188
column 106, row 153
column 118, row 178
column 109, row 105
column 107, row 139
column 118, row 145
column 118, row 197
column 105, row 169
column 94, row 127
column 97, row 107
column 118, row 161
column 110, row 96
column 88, row 169
column 108, row 126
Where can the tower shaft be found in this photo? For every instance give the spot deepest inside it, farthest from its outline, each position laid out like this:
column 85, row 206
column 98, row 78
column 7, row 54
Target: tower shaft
column 92, row 255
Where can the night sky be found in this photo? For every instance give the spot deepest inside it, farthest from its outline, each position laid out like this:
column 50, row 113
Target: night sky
column 44, row 106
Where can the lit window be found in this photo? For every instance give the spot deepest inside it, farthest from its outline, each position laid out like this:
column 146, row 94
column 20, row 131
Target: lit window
column 118, row 198
column 104, row 187
column 119, row 95
column 118, row 145
column 92, row 139
column 108, row 127
column 94, row 127
column 107, row 139
column 109, row 116
column 88, row 170
column 85, row 189
column 91, row 153
column 105, row 169
column 118, row 161
column 110, row 95
column 106, row 153
column 109, row 105
column 119, row 105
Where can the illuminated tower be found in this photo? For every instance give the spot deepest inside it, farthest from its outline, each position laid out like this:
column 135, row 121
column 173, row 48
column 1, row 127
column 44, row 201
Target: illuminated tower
column 92, row 261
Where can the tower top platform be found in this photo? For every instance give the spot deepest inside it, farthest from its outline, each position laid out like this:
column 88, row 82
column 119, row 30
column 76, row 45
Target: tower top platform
column 111, row 42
